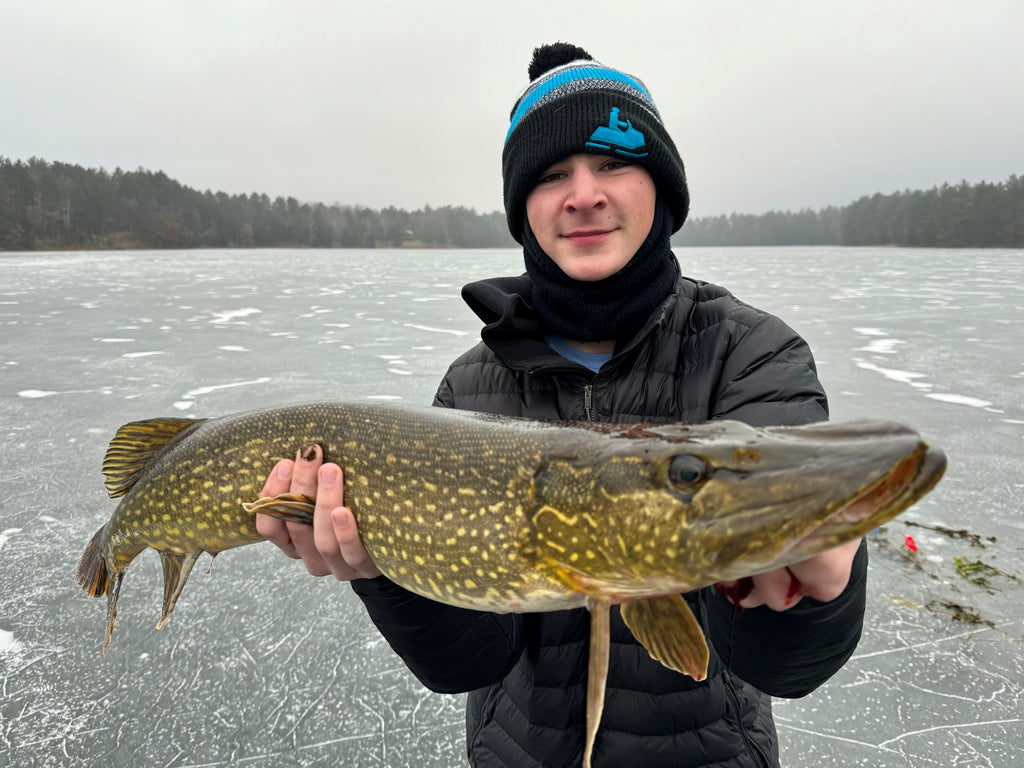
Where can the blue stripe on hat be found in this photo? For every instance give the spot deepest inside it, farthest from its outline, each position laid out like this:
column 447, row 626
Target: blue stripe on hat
column 569, row 76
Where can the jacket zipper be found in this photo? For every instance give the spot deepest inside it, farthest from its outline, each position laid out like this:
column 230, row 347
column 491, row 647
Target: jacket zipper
column 752, row 749
column 588, row 401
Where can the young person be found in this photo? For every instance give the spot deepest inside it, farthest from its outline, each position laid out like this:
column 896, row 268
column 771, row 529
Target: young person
column 603, row 326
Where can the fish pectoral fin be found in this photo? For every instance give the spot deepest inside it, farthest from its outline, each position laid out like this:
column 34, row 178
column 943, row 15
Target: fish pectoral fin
column 133, row 448
column 292, row 507
column 177, row 566
column 597, row 669
column 667, row 628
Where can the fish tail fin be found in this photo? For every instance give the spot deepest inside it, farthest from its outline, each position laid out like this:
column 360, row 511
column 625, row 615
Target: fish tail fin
column 177, row 566
column 98, row 578
column 92, row 568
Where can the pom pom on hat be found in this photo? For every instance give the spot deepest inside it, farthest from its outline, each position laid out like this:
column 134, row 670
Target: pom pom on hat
column 547, row 57
column 574, row 104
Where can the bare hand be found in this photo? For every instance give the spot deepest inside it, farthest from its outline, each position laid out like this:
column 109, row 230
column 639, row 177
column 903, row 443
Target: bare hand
column 823, row 577
column 332, row 545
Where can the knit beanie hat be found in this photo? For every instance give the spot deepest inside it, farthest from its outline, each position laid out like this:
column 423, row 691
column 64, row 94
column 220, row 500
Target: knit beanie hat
column 572, row 105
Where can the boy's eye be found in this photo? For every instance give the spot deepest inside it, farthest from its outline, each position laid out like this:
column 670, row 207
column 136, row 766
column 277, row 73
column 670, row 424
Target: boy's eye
column 550, row 176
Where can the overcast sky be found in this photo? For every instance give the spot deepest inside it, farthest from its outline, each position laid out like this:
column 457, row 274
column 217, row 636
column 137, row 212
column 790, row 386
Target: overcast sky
column 773, row 105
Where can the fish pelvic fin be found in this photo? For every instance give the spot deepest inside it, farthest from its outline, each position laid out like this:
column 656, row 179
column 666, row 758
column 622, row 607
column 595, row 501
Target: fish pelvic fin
column 92, row 568
column 667, row 628
column 177, row 566
column 290, row 507
column 134, row 446
column 597, row 669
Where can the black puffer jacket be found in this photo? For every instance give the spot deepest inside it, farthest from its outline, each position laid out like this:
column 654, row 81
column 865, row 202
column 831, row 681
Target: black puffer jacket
column 703, row 355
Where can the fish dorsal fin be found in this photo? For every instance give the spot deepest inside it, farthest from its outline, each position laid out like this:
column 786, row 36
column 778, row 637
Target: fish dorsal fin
column 134, row 447
column 667, row 628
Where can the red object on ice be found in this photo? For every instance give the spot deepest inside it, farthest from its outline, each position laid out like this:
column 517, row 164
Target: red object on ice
column 909, row 541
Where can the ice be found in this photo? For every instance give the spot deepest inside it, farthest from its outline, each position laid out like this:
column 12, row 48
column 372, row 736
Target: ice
column 6, row 535
column 231, row 315
column 973, row 402
column 893, row 374
column 870, row 331
column 9, row 647
column 198, row 391
column 151, row 353
column 882, row 346
column 264, row 665
column 36, row 393
column 429, row 329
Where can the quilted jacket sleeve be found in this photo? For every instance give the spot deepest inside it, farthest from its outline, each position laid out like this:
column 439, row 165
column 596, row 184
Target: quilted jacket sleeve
column 790, row 653
column 450, row 650
column 770, row 379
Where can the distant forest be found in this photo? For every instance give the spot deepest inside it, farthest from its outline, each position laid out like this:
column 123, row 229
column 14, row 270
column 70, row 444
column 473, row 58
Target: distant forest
column 55, row 205
column 978, row 216
column 59, row 206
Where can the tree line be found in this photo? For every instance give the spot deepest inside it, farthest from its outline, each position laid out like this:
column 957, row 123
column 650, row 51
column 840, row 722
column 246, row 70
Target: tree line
column 60, row 206
column 56, row 205
column 983, row 215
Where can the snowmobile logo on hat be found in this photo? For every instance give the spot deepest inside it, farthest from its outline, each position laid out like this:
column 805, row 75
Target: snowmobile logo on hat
column 618, row 136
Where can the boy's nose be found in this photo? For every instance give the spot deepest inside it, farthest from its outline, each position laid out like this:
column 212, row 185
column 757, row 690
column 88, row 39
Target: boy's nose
column 585, row 190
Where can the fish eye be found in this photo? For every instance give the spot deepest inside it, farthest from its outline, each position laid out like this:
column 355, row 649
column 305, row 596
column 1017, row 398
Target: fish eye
column 686, row 473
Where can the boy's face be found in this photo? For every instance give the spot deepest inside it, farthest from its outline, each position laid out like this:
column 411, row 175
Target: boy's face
column 591, row 213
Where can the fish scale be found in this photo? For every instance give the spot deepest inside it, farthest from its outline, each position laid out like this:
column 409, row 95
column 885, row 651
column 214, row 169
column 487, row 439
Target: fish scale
column 508, row 514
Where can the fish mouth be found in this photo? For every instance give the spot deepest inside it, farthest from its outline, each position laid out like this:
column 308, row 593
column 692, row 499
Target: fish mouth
column 910, row 479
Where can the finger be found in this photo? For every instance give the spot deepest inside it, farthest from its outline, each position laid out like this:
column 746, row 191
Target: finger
column 825, row 576
column 335, row 532
column 279, row 480
column 276, row 531
column 328, row 497
column 780, row 590
column 304, row 481
column 304, row 474
column 350, row 544
column 735, row 591
column 269, row 527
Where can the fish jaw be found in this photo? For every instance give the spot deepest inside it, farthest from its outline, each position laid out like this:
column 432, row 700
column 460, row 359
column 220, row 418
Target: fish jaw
column 908, row 482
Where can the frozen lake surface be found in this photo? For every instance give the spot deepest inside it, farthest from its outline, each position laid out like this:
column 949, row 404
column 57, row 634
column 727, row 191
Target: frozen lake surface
column 263, row 665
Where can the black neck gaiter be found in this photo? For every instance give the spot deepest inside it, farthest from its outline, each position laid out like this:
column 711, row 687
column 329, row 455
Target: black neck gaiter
column 612, row 308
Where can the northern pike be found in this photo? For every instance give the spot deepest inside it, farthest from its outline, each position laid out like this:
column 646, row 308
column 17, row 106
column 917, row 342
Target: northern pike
column 516, row 515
